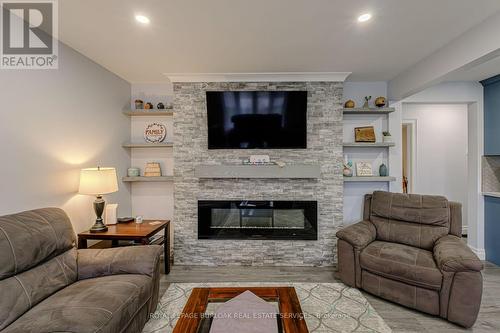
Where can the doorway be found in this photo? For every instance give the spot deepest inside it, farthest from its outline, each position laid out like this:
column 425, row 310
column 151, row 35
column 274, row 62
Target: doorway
column 435, row 151
column 409, row 141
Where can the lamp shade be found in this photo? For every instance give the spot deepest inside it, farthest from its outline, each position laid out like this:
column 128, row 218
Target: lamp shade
column 95, row 181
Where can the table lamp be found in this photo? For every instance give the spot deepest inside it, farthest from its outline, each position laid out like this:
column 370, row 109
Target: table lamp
column 98, row 181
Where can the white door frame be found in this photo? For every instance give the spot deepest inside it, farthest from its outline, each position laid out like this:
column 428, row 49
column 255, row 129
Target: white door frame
column 412, row 153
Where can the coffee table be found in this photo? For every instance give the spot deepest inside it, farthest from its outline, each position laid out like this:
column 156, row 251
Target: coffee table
column 139, row 232
column 292, row 318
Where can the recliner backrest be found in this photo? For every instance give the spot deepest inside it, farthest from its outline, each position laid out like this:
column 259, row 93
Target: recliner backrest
column 411, row 219
column 38, row 258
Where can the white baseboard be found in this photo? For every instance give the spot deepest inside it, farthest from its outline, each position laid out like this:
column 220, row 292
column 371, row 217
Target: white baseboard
column 481, row 253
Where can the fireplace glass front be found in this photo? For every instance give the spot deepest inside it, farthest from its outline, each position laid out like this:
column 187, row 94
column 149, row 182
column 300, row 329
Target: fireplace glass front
column 257, row 219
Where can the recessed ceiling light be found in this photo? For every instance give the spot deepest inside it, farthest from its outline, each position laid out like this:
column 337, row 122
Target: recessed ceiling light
column 364, row 17
column 142, row 19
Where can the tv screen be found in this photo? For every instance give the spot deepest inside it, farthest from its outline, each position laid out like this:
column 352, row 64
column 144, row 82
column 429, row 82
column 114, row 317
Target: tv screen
column 257, row 119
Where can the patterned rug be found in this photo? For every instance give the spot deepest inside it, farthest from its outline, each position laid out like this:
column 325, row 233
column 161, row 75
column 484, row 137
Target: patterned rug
column 327, row 307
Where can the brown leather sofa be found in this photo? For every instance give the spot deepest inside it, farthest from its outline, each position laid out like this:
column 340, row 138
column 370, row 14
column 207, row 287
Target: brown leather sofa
column 47, row 285
column 408, row 250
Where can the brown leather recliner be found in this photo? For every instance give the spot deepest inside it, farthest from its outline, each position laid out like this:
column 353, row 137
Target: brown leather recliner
column 408, row 250
column 47, row 285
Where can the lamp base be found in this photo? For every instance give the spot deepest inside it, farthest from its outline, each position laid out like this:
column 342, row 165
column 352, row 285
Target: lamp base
column 99, row 226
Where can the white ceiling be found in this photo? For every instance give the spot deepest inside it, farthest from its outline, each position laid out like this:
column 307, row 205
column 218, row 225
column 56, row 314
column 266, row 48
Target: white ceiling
column 231, row 36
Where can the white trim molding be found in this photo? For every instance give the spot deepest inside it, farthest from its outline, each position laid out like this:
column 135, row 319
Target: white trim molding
column 259, row 77
column 481, row 253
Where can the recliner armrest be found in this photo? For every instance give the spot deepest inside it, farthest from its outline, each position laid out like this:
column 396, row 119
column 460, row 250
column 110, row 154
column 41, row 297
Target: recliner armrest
column 453, row 255
column 359, row 235
column 142, row 259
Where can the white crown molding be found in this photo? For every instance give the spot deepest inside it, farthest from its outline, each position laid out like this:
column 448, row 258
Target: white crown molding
column 259, row 77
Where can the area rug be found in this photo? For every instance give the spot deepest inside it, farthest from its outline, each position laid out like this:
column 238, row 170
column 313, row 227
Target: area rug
column 327, row 307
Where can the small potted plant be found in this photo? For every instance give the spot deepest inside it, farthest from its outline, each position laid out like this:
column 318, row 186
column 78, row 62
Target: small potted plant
column 387, row 136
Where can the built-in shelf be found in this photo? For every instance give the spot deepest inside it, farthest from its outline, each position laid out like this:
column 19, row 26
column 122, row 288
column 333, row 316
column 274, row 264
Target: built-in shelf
column 148, row 179
column 368, row 144
column 368, row 110
column 147, row 145
column 369, row 179
column 148, row 113
column 258, row 171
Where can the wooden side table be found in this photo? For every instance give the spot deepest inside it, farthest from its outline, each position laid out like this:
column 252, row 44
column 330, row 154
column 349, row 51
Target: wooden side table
column 131, row 231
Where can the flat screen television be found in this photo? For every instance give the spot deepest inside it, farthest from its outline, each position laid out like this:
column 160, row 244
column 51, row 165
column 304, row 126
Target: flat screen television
column 257, row 119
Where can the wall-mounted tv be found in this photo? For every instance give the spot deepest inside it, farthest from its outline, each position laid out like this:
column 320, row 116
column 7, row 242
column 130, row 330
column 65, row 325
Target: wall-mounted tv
column 257, row 119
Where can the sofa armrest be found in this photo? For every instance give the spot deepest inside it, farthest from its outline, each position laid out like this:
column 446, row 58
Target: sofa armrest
column 359, row 235
column 142, row 259
column 453, row 255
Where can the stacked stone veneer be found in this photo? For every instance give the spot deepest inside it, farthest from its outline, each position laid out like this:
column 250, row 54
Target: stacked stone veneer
column 324, row 147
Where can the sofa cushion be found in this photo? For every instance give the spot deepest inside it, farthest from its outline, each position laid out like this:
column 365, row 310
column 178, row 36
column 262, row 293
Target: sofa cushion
column 402, row 263
column 105, row 304
column 29, row 238
column 25, row 290
column 411, row 219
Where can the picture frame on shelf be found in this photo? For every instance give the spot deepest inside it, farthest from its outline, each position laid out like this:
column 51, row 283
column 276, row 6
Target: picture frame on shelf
column 364, row 134
column 364, row 169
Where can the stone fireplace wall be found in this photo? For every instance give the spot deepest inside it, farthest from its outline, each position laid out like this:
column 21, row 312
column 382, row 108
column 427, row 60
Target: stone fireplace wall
column 324, row 142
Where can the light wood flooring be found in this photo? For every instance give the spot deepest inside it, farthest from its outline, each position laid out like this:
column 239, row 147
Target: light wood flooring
column 399, row 318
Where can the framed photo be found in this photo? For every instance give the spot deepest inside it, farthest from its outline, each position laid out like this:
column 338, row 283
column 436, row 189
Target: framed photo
column 364, row 169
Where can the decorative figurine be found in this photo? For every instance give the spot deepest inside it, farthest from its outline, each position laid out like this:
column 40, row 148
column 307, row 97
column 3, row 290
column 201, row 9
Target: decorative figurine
column 380, row 102
column 139, row 104
column 148, row 106
column 349, row 104
column 367, row 100
column 160, row 106
column 382, row 171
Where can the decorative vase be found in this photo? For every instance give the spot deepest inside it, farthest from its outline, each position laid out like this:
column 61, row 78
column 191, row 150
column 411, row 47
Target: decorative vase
column 380, row 102
column 349, row 104
column 139, row 104
column 160, row 106
column 347, row 171
column 382, row 171
column 387, row 138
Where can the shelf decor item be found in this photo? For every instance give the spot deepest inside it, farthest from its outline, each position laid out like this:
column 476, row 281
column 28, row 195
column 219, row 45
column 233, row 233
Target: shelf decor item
column 364, row 134
column 347, row 172
column 155, row 133
column 148, row 106
column 386, row 136
column 382, row 170
column 380, row 102
column 152, row 169
column 366, row 105
column 98, row 181
column 349, row 104
column 364, row 169
column 133, row 172
column 160, row 106
column 139, row 104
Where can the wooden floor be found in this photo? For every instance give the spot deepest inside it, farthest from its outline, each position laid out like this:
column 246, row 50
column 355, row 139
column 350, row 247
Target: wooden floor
column 400, row 319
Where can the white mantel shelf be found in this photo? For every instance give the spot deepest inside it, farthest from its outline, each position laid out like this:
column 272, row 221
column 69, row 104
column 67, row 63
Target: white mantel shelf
column 298, row 171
